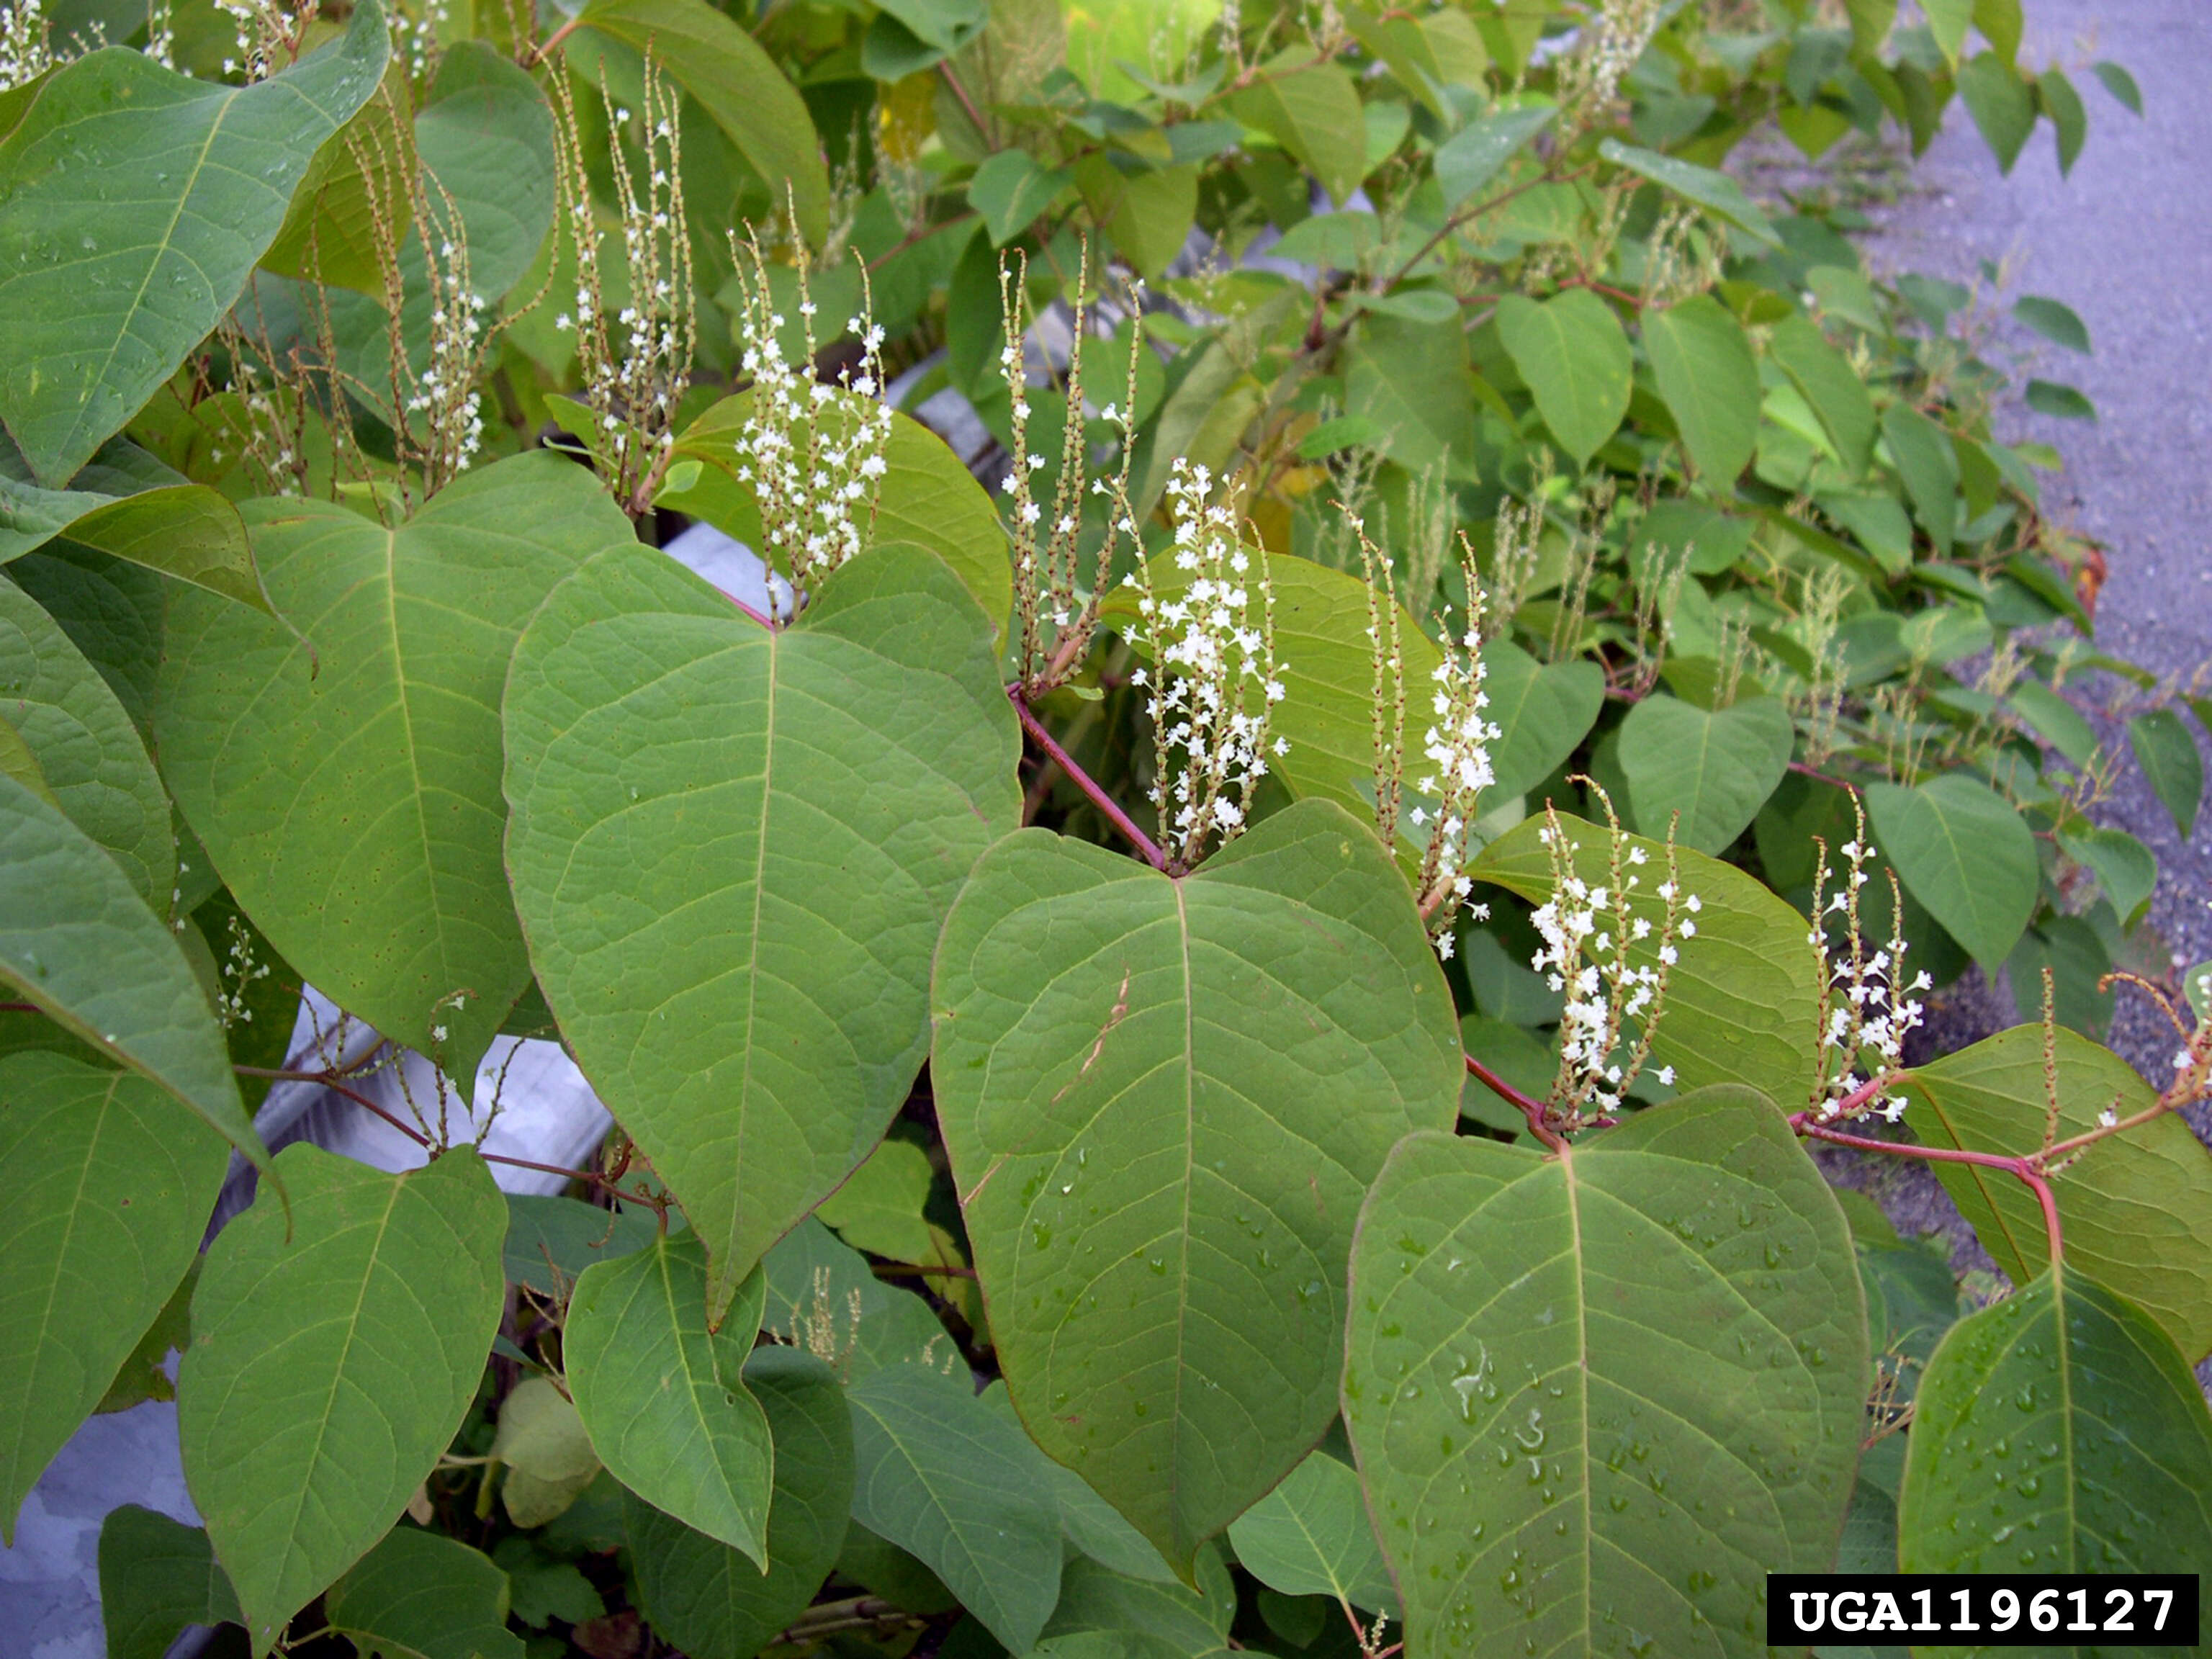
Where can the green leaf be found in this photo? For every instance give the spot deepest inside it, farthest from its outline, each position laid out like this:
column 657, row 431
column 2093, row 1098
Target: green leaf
column 1825, row 379
column 1541, row 711
column 2137, row 1209
column 546, row 1449
column 108, row 288
column 740, row 87
column 550, row 1241
column 360, row 174
column 1310, row 1536
column 1178, row 1119
column 1575, row 1380
column 1410, row 378
column 1714, row 191
column 880, row 1208
column 338, row 1340
column 485, row 139
column 1714, row 767
column 2125, row 868
column 2054, row 320
column 698, row 868
column 945, row 1479
column 2056, row 721
column 157, row 1576
column 1702, row 360
column 1009, row 189
column 88, row 753
column 1570, row 350
column 2056, row 399
column 659, row 1393
column 2055, row 96
column 1471, row 157
column 706, row 1598
column 2058, row 1432
column 822, row 1292
column 1929, row 467
column 1946, row 21
column 1309, row 105
column 2169, row 757
column 78, row 942
column 2197, row 987
column 1091, row 1523
column 1156, row 1618
column 1148, row 214
column 421, row 1595
column 1746, row 990
column 1963, row 853
column 2002, row 106
column 2121, row 84
column 120, row 1184
column 272, row 746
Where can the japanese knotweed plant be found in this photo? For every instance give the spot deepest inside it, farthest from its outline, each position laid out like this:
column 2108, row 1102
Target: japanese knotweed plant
column 1214, row 1046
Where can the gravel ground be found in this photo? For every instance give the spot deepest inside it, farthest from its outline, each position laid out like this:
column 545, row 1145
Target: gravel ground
column 2126, row 240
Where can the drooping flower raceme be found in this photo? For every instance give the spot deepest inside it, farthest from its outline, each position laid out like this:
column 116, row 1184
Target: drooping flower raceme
column 1867, row 1003
column 1215, row 679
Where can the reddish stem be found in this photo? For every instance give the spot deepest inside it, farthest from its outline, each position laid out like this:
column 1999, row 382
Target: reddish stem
column 2026, row 1169
column 1530, row 1106
column 1082, row 780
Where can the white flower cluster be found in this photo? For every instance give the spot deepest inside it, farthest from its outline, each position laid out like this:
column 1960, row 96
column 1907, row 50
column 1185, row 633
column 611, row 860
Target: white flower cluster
column 1590, row 951
column 1866, row 1006
column 416, row 38
column 1612, row 43
column 264, row 29
column 445, row 402
column 1457, row 744
column 812, row 453
column 25, row 53
column 1215, row 678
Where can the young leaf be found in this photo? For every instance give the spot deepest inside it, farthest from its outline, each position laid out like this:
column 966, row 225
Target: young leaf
column 2121, row 84
column 110, row 286
column 2058, row 1432
column 157, row 1576
column 1713, row 190
column 1715, row 768
column 337, row 1338
column 659, row 1393
column 2055, row 96
column 1746, row 993
column 1929, row 467
column 941, row 1476
column 1825, row 379
column 1311, row 1536
column 1471, row 157
column 1177, row 1116
column 1009, row 189
column 1311, row 107
column 2168, row 755
column 88, row 752
column 1570, row 350
column 544, row 1450
column 2137, row 1209
column 732, row 849
column 124, row 1183
column 2054, row 320
column 1575, row 1379
column 78, row 942
column 2002, row 106
column 2059, row 400
column 706, row 1598
column 1702, row 360
column 277, row 747
column 420, row 1595
column 739, row 87
column 1963, row 853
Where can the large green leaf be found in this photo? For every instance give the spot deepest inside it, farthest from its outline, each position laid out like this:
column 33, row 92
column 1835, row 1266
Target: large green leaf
column 157, row 1576
column 1471, row 157
column 2137, row 1209
column 88, row 752
column 138, row 200
column 1156, row 1619
column 338, row 1338
column 1929, row 466
column 360, row 176
column 1570, row 350
column 127, row 504
column 1702, row 360
column 120, row 1182
column 1597, row 1397
column 1309, row 105
column 1825, row 379
column 1092, row 1525
column 738, row 85
column 1714, row 190
column 1164, row 1097
column 1714, row 767
column 1965, row 855
column 1743, row 1001
column 951, row 1481
column 732, row 849
column 1410, row 378
column 2169, row 757
column 659, row 1393
column 706, row 1597
column 347, row 787
column 78, row 942
column 422, row 1595
column 1311, row 1536
column 485, row 139
column 2058, row 1432
column 1541, row 711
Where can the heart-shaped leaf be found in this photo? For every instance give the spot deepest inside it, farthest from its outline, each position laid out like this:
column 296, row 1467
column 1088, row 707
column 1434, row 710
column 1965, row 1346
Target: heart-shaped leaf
column 347, row 785
column 2168, row 755
column 92, row 1247
column 1178, row 1122
column 659, row 1393
column 1570, row 350
column 1597, row 1397
column 732, row 849
column 420, row 1593
column 1702, row 359
column 1311, row 1536
column 2059, row 1431
column 1714, row 767
column 1311, row 107
column 138, row 200
column 1825, row 379
column 1965, row 855
column 706, row 1597
column 1541, row 711
column 338, row 1340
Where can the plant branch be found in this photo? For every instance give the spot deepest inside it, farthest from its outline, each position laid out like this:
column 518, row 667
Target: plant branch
column 2029, row 1170
column 1082, row 780
column 554, row 40
column 1530, row 1106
